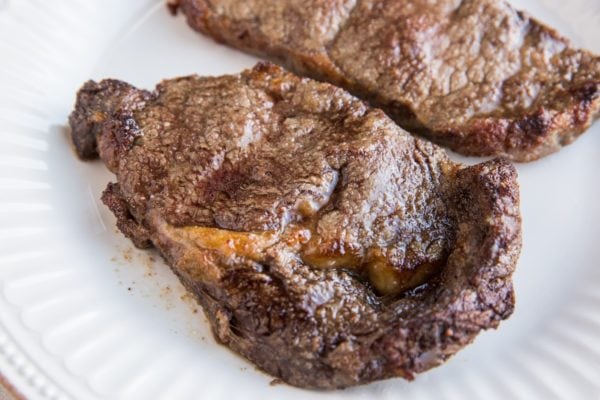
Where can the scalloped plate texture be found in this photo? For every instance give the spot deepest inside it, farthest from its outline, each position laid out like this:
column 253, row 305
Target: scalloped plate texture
column 84, row 315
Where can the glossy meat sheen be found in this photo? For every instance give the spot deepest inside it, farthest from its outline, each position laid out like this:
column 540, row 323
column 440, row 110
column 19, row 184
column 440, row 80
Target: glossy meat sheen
column 289, row 207
column 477, row 76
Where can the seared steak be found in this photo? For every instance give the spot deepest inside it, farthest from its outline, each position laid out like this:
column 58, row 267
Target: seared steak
column 477, row 76
column 325, row 244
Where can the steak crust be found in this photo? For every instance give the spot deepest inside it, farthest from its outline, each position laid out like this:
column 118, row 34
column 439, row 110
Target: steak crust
column 325, row 244
column 476, row 76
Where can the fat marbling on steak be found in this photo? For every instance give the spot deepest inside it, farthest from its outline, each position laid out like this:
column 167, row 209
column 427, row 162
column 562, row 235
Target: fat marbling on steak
column 477, row 76
column 325, row 244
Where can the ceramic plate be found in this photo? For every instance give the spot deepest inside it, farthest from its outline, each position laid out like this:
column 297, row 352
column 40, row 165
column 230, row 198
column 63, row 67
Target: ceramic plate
column 83, row 315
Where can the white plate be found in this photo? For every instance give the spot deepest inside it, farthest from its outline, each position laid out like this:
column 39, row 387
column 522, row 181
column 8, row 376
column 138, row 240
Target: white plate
column 85, row 316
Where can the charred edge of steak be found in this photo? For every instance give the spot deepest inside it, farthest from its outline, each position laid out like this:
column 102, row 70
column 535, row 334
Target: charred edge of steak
column 530, row 137
column 96, row 104
column 173, row 6
column 126, row 223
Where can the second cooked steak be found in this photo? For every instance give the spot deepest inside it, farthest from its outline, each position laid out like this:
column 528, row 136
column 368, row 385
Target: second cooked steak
column 477, row 76
column 325, row 244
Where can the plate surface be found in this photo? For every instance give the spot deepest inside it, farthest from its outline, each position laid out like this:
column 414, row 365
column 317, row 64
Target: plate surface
column 83, row 315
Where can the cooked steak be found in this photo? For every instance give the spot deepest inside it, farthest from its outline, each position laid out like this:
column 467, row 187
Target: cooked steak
column 325, row 244
column 477, row 76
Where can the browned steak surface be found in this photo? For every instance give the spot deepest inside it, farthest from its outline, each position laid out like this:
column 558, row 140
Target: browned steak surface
column 477, row 76
column 326, row 245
